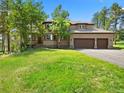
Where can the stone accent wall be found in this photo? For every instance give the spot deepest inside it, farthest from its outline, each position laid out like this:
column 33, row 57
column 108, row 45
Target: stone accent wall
column 49, row 43
column 54, row 44
column 64, row 44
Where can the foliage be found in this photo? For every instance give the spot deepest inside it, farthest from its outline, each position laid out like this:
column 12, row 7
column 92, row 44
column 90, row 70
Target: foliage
column 24, row 17
column 96, row 19
column 108, row 18
column 121, row 34
column 103, row 17
column 119, row 45
column 15, row 42
column 4, row 26
column 61, row 23
column 116, row 12
column 122, row 21
column 36, row 17
column 60, row 13
column 18, row 21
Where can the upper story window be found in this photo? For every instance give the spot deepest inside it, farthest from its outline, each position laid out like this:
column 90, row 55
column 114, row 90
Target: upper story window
column 83, row 27
column 50, row 37
column 48, row 25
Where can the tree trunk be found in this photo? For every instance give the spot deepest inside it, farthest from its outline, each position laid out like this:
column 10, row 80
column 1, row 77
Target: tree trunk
column 58, row 42
column 3, row 43
column 20, row 43
column 31, row 37
column 115, row 30
column 104, row 23
column 97, row 23
column 8, row 37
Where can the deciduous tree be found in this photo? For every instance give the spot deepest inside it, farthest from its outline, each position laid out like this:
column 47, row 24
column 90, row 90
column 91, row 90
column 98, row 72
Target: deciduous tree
column 61, row 23
column 24, row 17
column 4, row 27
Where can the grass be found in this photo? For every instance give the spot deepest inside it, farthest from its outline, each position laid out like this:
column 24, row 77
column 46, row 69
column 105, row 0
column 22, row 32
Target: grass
column 58, row 71
column 119, row 45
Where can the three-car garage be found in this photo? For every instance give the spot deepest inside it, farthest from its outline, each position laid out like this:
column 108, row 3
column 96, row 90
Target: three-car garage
column 92, row 40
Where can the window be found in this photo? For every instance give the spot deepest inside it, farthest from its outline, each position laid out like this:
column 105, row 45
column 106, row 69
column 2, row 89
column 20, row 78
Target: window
column 54, row 37
column 49, row 37
column 48, row 25
column 81, row 26
column 34, row 37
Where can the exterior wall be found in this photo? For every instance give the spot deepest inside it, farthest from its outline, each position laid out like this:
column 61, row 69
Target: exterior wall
column 64, row 44
column 90, row 26
column 78, row 27
column 92, row 35
column 74, row 27
column 33, row 39
column 6, row 43
column 49, row 43
column 53, row 44
column 34, row 42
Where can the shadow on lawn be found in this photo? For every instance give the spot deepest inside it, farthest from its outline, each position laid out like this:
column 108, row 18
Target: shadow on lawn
column 31, row 51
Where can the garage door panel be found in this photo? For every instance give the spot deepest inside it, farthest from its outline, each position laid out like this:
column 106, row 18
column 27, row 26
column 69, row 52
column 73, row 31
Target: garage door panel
column 102, row 43
column 86, row 43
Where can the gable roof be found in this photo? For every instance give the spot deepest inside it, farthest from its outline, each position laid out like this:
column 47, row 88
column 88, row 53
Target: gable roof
column 72, row 22
column 80, row 22
column 95, row 30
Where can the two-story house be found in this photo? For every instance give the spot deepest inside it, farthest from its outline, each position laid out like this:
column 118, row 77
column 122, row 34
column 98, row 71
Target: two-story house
column 82, row 35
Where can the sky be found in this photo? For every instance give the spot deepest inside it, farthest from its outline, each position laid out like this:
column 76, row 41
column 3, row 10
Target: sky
column 79, row 10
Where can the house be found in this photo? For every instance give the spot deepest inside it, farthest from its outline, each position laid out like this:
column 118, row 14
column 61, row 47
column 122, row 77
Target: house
column 83, row 35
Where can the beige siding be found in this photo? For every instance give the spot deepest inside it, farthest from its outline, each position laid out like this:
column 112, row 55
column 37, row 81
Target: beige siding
column 34, row 42
column 90, row 26
column 64, row 44
column 78, row 27
column 53, row 44
column 74, row 27
column 49, row 43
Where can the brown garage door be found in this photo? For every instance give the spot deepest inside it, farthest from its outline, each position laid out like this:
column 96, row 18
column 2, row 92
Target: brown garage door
column 102, row 43
column 86, row 43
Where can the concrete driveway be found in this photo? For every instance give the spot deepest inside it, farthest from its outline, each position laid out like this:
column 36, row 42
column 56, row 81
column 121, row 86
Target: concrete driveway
column 112, row 56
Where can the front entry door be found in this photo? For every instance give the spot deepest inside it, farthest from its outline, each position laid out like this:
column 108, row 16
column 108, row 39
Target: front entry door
column 39, row 40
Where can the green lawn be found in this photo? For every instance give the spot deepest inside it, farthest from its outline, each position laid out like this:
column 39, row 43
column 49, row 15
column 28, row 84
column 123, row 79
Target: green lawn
column 119, row 45
column 58, row 71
